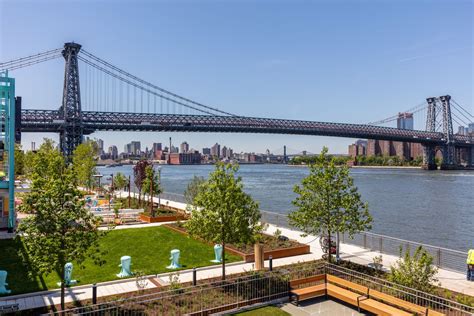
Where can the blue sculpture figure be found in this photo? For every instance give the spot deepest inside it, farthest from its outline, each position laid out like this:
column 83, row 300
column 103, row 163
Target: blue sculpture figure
column 68, row 275
column 174, row 259
column 3, row 282
column 217, row 253
column 125, row 264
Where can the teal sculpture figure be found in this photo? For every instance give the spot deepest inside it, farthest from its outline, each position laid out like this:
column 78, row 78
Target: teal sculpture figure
column 174, row 259
column 3, row 282
column 125, row 264
column 217, row 253
column 68, row 275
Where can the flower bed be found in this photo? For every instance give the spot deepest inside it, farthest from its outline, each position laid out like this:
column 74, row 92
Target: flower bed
column 272, row 246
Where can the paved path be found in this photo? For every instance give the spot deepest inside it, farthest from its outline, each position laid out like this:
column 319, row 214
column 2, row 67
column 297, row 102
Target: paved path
column 451, row 280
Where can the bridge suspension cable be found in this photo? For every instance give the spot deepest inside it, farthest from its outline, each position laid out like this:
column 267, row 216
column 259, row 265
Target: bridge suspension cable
column 30, row 60
column 134, row 84
column 418, row 108
column 146, row 86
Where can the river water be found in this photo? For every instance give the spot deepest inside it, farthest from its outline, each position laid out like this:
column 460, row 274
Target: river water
column 434, row 207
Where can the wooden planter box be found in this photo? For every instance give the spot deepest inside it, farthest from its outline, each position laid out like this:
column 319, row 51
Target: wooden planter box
column 250, row 257
column 159, row 219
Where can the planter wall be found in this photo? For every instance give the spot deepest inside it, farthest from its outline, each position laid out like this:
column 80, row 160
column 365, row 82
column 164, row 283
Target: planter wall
column 159, row 219
column 276, row 253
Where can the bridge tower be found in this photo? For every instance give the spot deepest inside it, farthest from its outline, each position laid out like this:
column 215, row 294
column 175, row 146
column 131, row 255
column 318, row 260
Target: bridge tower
column 429, row 152
column 72, row 131
column 449, row 157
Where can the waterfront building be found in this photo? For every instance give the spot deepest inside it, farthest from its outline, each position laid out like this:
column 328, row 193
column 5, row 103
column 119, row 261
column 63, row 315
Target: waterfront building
column 470, row 128
column 113, row 152
column 216, row 150
column 184, row 147
column 224, row 152
column 405, row 120
column 188, row 158
column 206, row 151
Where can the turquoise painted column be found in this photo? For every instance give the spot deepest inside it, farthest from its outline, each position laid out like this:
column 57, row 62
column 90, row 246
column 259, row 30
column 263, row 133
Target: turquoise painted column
column 11, row 157
column 7, row 97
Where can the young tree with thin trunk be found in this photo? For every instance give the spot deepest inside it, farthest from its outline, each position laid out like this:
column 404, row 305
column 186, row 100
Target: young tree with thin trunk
column 60, row 229
column 222, row 212
column 151, row 185
column 193, row 188
column 139, row 175
column 120, row 181
column 328, row 202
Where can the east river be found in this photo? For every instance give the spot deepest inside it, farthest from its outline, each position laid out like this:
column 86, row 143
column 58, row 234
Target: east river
column 434, row 207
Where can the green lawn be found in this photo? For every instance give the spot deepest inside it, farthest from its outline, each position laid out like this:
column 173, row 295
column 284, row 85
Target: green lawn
column 263, row 311
column 149, row 248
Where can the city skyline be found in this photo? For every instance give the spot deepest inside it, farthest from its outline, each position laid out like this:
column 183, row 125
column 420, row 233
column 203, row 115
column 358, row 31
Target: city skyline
column 277, row 73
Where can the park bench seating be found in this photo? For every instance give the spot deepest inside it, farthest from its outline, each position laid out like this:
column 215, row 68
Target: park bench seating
column 355, row 294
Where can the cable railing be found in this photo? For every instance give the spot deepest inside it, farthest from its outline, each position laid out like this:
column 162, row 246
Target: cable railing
column 444, row 258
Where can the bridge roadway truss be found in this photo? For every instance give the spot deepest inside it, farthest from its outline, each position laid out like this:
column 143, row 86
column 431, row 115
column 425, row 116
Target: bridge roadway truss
column 52, row 121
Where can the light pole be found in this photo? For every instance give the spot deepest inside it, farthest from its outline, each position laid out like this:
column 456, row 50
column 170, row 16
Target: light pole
column 111, row 189
column 159, row 186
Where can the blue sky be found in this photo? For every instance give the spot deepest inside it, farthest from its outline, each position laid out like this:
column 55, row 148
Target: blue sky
column 342, row 61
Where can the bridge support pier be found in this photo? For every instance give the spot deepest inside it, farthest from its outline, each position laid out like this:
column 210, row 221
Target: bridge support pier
column 429, row 158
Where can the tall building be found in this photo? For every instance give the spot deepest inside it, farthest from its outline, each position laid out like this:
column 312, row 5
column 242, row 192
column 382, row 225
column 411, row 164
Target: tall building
column 405, row 120
column 136, row 148
column 470, row 128
column 224, row 152
column 462, row 130
column 113, row 152
column 184, row 147
column 100, row 146
column 206, row 151
column 216, row 150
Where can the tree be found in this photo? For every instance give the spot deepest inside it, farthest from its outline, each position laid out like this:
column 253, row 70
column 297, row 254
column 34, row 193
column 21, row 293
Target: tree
column 19, row 160
column 120, row 181
column 328, row 201
column 139, row 175
column 193, row 189
column 222, row 212
column 151, row 184
column 416, row 272
column 84, row 163
column 60, row 230
column 42, row 166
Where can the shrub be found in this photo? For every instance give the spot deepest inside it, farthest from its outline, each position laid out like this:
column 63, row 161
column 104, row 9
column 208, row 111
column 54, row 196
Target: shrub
column 415, row 271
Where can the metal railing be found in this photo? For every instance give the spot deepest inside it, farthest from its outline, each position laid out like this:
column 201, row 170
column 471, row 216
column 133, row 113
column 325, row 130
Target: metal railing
column 257, row 287
column 427, row 300
column 196, row 300
column 444, row 258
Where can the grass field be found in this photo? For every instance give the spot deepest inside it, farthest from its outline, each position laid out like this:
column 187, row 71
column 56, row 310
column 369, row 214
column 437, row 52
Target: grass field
column 264, row 311
column 149, row 248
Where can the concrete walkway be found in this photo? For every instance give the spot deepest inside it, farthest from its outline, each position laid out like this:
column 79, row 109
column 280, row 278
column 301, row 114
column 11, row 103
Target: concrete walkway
column 450, row 280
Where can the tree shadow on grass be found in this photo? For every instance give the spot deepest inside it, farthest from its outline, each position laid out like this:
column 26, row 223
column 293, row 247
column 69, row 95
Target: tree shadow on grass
column 18, row 279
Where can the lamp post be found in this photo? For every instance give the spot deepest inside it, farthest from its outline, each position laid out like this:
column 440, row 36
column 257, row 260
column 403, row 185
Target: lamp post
column 111, row 189
column 159, row 186
column 129, row 183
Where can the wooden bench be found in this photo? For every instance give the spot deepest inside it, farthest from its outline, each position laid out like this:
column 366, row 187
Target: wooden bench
column 382, row 309
column 310, row 291
column 408, row 306
column 349, row 292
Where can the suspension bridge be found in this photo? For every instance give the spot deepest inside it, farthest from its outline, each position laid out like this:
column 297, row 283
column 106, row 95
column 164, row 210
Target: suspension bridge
column 108, row 98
